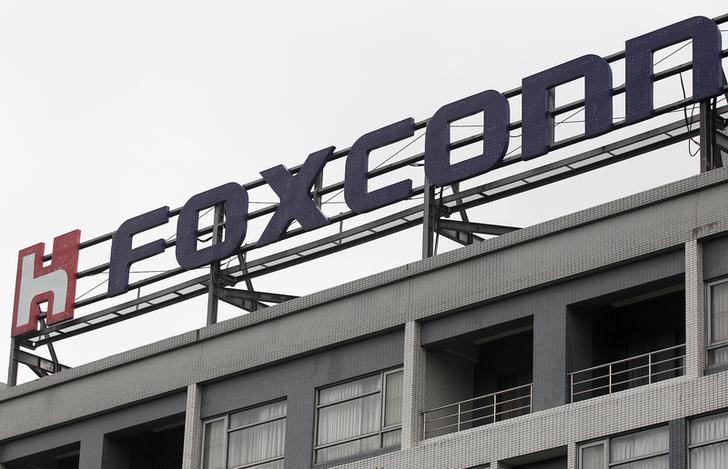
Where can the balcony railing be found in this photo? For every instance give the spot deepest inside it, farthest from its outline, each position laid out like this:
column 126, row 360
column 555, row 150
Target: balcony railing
column 478, row 411
column 628, row 373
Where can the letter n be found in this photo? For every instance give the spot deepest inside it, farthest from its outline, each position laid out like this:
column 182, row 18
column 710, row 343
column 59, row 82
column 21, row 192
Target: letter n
column 707, row 68
column 538, row 129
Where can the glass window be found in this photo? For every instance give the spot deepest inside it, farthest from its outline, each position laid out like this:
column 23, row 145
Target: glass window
column 359, row 416
column 647, row 449
column 718, row 322
column 252, row 438
column 709, row 442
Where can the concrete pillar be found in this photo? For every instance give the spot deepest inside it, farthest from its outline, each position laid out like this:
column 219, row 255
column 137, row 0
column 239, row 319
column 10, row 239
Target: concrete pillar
column 678, row 444
column 549, row 360
column 413, row 389
column 694, row 310
column 300, row 426
column 191, row 451
column 91, row 453
column 571, row 456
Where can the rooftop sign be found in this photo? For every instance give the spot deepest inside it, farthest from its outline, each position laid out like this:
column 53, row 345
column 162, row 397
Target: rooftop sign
column 55, row 284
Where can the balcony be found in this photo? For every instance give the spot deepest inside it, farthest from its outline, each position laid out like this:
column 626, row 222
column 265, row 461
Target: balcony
column 628, row 373
column 625, row 340
column 479, row 378
column 481, row 410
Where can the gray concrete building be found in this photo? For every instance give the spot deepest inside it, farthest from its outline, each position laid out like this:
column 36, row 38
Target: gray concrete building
column 596, row 340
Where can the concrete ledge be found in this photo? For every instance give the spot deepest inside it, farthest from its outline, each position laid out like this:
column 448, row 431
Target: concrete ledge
column 562, row 426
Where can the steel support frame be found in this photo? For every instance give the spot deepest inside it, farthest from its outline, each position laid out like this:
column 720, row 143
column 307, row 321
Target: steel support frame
column 251, row 300
column 39, row 365
column 491, row 191
column 713, row 141
column 429, row 220
column 714, row 148
column 437, row 209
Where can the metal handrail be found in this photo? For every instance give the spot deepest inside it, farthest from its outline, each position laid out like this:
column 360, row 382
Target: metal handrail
column 479, row 397
column 498, row 398
column 629, row 359
column 463, row 422
column 476, row 409
column 614, row 377
column 681, row 367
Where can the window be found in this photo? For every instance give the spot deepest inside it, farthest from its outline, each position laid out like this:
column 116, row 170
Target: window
column 252, row 438
column 708, row 440
column 718, row 322
column 359, row 416
column 647, row 449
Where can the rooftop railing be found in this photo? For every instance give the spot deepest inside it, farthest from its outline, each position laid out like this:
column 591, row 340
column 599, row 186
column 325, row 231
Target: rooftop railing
column 627, row 373
column 481, row 410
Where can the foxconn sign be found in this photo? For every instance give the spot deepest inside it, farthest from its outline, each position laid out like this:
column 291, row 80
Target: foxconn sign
column 56, row 283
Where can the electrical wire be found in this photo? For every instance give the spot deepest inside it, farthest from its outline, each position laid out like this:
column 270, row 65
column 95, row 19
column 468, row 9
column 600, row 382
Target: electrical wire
column 379, row 165
column 688, row 122
column 673, row 53
column 91, row 289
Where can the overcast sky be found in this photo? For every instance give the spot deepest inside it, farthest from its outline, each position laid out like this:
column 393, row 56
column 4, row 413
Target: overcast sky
column 111, row 109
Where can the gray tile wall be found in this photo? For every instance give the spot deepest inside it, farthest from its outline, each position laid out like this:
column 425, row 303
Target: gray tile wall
column 601, row 238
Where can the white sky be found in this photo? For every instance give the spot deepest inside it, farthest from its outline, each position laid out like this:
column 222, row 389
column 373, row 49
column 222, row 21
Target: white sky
column 111, row 109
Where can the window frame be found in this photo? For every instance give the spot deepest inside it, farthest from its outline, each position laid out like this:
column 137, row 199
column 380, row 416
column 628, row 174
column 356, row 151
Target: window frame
column 692, row 446
column 382, row 430
column 605, row 442
column 709, row 344
column 226, row 424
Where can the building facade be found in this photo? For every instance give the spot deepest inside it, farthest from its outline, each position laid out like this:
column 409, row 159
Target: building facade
column 590, row 341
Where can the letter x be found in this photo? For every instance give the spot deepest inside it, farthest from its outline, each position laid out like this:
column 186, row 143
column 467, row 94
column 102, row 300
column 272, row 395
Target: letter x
column 294, row 192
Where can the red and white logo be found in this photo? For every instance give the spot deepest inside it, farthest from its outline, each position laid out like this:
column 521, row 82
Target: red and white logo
column 54, row 284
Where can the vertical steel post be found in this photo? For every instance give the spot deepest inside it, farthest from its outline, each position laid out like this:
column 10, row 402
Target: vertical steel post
column 649, row 369
column 212, row 295
column 459, row 407
column 51, row 349
column 610, row 379
column 571, row 387
column 707, row 136
column 13, row 365
column 552, row 118
column 429, row 222
column 530, row 398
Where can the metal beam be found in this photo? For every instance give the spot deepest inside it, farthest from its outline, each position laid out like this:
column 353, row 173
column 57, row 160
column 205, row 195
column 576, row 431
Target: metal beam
column 13, row 364
column 244, row 304
column 39, row 365
column 456, row 190
column 251, row 300
column 256, row 295
column 473, row 227
column 707, row 135
column 461, row 237
column 429, row 220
